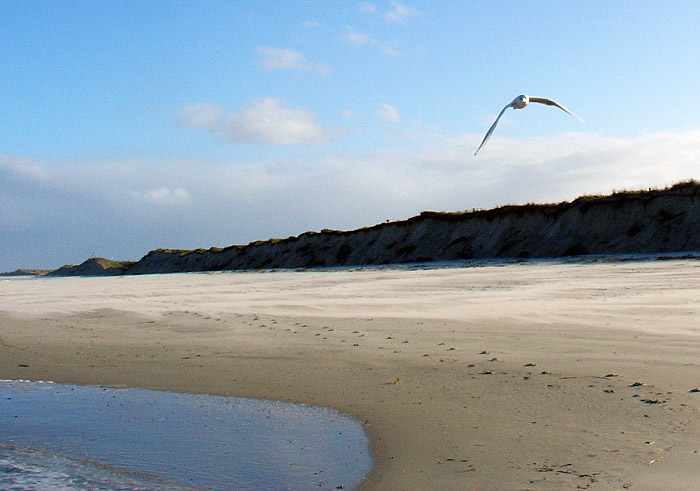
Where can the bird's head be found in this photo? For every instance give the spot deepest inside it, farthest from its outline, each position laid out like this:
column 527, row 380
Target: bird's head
column 521, row 101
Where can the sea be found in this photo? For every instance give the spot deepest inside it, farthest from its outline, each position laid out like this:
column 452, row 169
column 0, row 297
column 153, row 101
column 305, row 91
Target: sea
column 66, row 437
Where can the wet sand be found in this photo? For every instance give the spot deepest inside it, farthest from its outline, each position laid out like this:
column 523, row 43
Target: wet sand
column 519, row 376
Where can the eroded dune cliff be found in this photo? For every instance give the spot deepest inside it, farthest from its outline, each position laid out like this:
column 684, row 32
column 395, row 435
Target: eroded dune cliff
column 655, row 221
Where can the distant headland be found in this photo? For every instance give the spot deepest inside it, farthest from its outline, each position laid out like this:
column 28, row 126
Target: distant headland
column 629, row 222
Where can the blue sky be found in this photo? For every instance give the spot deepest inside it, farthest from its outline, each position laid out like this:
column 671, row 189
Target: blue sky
column 127, row 126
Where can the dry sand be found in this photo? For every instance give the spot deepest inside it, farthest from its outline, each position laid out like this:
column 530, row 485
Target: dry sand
column 519, row 376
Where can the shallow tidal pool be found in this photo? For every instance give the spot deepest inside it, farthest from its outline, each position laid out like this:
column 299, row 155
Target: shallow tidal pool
column 75, row 437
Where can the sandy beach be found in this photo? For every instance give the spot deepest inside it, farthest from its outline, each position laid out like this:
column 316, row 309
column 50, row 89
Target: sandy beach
column 538, row 375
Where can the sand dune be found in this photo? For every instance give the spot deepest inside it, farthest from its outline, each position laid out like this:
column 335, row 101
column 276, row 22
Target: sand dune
column 660, row 221
column 656, row 221
column 519, row 376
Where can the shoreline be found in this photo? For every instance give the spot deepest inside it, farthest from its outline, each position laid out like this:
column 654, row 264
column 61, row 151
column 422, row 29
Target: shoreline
column 554, row 403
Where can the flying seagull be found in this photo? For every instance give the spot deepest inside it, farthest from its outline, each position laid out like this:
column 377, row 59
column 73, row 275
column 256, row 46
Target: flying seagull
column 518, row 103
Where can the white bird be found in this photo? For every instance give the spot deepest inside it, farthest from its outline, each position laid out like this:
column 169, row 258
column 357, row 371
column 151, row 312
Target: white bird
column 518, row 103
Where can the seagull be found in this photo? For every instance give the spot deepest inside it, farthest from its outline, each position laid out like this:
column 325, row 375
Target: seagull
column 518, row 103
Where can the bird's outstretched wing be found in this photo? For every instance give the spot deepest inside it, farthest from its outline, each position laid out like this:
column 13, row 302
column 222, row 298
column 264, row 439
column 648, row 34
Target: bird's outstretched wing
column 550, row 102
column 493, row 126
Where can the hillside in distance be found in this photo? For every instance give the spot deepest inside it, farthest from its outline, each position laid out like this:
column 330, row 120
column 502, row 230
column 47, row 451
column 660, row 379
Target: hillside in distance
column 640, row 222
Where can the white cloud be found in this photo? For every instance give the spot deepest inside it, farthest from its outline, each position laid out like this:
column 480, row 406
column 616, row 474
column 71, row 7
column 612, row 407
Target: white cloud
column 164, row 196
column 280, row 58
column 202, row 115
column 363, row 39
column 390, row 50
column 270, row 121
column 267, row 121
column 388, row 112
column 564, row 166
column 400, row 12
column 350, row 115
column 357, row 38
column 288, row 59
column 397, row 13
